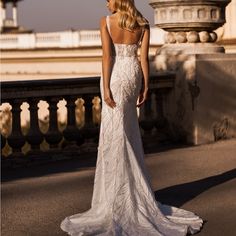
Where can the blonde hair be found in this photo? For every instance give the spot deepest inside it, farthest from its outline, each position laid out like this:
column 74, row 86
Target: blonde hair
column 130, row 17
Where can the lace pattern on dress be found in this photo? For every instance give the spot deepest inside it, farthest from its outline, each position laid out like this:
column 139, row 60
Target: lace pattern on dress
column 123, row 202
column 126, row 50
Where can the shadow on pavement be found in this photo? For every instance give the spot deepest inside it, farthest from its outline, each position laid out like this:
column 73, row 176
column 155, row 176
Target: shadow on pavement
column 39, row 170
column 67, row 165
column 179, row 194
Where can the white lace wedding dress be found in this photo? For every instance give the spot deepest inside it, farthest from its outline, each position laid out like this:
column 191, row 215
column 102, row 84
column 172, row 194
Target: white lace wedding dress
column 123, row 202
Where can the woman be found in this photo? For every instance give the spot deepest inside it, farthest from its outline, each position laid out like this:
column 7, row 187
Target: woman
column 123, row 203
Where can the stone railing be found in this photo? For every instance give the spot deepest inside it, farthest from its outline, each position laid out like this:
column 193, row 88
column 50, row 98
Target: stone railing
column 79, row 134
column 63, row 39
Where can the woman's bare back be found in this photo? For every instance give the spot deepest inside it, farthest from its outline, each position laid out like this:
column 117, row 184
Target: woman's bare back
column 123, row 36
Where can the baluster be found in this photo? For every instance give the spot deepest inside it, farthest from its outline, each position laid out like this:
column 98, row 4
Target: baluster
column 71, row 132
column 53, row 135
column 16, row 140
column 89, row 130
column 34, row 137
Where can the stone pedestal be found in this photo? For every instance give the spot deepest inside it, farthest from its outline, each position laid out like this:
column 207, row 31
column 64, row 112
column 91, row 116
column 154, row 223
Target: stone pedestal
column 202, row 106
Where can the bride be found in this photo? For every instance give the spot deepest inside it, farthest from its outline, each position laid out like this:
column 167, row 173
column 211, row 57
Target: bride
column 123, row 202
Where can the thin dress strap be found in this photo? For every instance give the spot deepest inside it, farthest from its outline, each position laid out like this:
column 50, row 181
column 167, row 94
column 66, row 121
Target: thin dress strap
column 141, row 37
column 108, row 24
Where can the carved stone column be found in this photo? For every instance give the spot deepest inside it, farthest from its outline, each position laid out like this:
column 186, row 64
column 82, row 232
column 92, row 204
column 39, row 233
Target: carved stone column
column 16, row 140
column 72, row 133
column 88, row 126
column 53, row 136
column 190, row 24
column 89, row 131
column 34, row 136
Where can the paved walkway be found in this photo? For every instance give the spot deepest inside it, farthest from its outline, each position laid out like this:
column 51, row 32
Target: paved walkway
column 201, row 179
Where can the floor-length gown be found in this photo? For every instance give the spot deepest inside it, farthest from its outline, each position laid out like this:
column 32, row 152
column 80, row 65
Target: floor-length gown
column 123, row 202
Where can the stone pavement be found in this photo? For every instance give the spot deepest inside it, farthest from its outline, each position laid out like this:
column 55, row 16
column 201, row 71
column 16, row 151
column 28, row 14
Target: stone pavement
column 201, row 179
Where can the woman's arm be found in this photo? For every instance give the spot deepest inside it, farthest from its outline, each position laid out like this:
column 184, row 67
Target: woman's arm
column 144, row 65
column 106, row 62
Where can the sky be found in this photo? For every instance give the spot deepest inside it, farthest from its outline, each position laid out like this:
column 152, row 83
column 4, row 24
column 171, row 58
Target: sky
column 59, row 15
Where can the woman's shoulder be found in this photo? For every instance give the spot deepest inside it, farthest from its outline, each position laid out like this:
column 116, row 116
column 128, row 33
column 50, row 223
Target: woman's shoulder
column 103, row 20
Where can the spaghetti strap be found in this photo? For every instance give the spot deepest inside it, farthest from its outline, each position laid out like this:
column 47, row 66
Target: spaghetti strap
column 141, row 37
column 108, row 24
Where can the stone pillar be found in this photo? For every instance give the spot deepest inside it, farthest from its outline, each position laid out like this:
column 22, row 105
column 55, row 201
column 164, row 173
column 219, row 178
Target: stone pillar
column 202, row 106
column 14, row 14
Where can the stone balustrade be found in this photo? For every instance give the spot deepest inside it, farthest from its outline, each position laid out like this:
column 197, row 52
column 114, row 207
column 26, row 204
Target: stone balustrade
column 79, row 134
column 63, row 39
